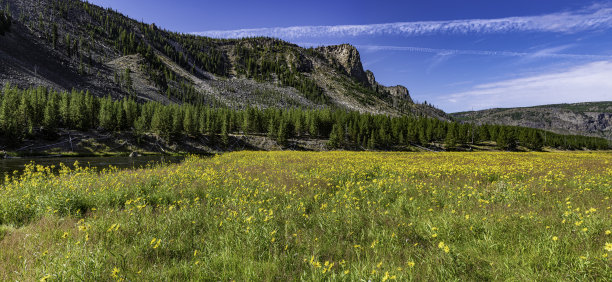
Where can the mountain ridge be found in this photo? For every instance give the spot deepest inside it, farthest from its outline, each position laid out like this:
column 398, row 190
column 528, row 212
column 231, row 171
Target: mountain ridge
column 77, row 45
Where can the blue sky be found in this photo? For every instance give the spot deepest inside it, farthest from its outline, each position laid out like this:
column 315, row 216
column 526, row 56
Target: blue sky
column 457, row 55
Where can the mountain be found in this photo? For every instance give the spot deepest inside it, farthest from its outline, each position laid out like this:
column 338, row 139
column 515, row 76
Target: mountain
column 590, row 119
column 72, row 44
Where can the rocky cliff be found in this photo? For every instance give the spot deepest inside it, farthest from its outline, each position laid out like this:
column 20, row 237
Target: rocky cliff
column 347, row 58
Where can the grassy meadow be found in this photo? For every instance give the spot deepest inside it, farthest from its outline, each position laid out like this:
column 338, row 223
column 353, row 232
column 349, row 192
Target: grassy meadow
column 315, row 216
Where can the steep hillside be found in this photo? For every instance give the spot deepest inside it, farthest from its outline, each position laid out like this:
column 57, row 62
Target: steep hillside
column 71, row 44
column 591, row 119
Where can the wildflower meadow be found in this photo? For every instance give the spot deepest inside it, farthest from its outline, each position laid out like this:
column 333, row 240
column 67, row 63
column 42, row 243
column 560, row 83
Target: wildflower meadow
column 314, row 216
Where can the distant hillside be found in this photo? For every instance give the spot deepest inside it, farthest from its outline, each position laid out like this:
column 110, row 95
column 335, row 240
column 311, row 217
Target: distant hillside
column 591, row 119
column 72, row 44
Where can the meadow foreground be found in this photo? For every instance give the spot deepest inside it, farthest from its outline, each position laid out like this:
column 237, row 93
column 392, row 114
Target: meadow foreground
column 312, row 216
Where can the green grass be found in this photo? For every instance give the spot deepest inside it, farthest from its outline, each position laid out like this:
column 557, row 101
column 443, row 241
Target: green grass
column 315, row 216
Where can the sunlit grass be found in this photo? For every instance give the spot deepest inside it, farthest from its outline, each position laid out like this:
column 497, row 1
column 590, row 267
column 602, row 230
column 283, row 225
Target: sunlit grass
column 313, row 216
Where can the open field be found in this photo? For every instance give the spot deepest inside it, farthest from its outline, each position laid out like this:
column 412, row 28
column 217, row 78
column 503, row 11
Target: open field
column 312, row 216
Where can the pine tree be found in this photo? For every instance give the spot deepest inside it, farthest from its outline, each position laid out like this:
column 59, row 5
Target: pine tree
column 127, row 80
column 372, row 141
column 535, row 140
column 246, row 121
column 272, row 132
column 189, row 121
column 281, row 137
column 106, row 115
column 423, row 137
column 24, row 115
column 177, row 120
column 64, row 109
column 121, row 123
column 298, row 125
column 140, row 125
column 336, row 137
column 10, row 125
column 224, row 133
column 483, row 134
column 130, row 108
column 383, row 137
column 50, row 119
column 76, row 111
column 202, row 121
column 161, row 122
column 313, row 129
column 502, row 139
column 506, row 139
column 451, row 136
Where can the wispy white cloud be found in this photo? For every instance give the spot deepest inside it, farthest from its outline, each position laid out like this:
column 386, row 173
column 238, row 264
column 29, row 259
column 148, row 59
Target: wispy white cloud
column 544, row 53
column 587, row 82
column 594, row 17
column 439, row 59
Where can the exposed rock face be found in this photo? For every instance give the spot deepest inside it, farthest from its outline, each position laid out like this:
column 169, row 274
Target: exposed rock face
column 601, row 122
column 348, row 58
column 399, row 91
column 371, row 78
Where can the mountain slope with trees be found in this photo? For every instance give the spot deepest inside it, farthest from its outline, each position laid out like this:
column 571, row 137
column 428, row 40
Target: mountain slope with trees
column 72, row 44
column 591, row 119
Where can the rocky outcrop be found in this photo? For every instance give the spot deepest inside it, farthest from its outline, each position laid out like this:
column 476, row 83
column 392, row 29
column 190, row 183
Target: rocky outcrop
column 599, row 122
column 347, row 58
column 399, row 91
column 371, row 78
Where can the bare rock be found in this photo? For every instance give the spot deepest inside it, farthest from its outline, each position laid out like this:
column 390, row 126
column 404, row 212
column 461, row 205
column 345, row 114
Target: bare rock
column 348, row 59
column 400, row 91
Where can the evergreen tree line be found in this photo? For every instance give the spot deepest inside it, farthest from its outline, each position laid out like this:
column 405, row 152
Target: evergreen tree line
column 39, row 111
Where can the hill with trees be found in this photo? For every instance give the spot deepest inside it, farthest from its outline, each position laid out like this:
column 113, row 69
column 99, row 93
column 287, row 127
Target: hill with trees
column 72, row 44
column 591, row 119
